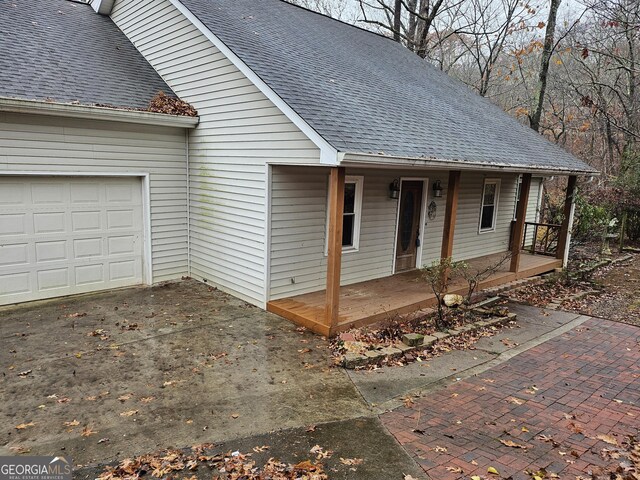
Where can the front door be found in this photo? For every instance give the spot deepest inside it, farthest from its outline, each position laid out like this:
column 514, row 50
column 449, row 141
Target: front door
column 409, row 225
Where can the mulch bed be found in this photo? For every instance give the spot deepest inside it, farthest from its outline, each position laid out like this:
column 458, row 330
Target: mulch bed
column 390, row 333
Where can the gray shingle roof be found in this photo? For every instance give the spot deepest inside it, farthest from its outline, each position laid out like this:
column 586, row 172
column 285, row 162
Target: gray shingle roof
column 64, row 51
column 365, row 93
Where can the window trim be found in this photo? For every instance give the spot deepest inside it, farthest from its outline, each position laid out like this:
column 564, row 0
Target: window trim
column 358, row 180
column 515, row 204
column 496, row 182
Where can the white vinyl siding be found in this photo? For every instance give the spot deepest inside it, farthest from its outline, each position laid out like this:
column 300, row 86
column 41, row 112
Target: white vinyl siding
column 298, row 228
column 468, row 242
column 240, row 132
column 30, row 143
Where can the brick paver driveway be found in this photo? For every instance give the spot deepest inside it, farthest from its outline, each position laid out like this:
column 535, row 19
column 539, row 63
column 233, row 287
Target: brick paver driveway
column 554, row 400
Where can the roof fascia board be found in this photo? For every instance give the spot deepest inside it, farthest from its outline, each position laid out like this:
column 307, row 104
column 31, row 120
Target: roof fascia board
column 35, row 107
column 328, row 154
column 383, row 161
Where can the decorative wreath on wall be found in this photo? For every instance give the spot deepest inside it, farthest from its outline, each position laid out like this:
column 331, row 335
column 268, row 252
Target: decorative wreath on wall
column 431, row 212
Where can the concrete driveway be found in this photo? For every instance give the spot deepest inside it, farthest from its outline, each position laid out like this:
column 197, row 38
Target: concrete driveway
column 127, row 372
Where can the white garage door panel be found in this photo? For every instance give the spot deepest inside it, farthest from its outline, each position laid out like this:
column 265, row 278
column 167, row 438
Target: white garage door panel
column 64, row 235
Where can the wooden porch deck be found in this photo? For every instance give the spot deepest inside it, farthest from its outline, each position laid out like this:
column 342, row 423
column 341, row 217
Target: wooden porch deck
column 374, row 300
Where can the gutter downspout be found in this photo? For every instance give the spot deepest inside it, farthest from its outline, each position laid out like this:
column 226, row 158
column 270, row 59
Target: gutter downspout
column 186, row 136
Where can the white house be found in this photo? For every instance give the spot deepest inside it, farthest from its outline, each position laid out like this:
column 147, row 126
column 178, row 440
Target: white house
column 322, row 156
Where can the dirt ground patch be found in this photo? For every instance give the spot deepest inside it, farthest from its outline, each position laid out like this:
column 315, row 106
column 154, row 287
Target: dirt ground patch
column 618, row 296
column 136, row 370
column 611, row 291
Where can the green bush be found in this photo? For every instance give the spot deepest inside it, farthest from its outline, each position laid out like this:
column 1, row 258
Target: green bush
column 591, row 221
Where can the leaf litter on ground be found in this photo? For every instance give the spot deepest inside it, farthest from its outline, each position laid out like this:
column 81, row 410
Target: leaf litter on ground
column 226, row 465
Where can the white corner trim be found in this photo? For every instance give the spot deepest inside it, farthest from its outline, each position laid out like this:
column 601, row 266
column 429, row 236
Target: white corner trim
column 328, row 154
column 268, row 197
column 36, row 107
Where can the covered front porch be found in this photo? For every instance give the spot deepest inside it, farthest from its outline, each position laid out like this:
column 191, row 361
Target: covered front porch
column 342, row 304
column 376, row 300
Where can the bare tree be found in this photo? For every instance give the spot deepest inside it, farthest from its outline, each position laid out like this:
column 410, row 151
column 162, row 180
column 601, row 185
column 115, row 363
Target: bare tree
column 534, row 118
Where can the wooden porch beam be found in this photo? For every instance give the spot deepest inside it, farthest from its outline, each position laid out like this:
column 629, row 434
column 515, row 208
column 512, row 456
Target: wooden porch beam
column 334, row 257
column 563, row 237
column 518, row 230
column 450, row 214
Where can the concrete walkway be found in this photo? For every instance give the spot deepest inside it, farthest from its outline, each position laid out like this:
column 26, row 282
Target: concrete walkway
column 108, row 376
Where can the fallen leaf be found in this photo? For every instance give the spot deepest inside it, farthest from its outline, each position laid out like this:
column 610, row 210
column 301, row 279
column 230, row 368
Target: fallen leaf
column 129, row 413
column 320, row 452
column 25, row 373
column 311, row 428
column 440, row 449
column 454, row 469
column 408, row 401
column 492, row 471
column 510, row 443
column 125, row 397
column 234, row 415
column 607, row 439
column 147, row 399
column 351, row 461
column 20, row 450
column 23, row 426
column 524, row 429
column 87, row 431
column 260, row 449
column 74, row 423
column 515, row 400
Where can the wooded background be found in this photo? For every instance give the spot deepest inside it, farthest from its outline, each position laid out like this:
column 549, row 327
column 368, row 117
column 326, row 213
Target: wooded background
column 569, row 69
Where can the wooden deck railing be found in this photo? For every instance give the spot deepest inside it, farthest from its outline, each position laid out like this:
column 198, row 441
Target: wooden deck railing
column 541, row 238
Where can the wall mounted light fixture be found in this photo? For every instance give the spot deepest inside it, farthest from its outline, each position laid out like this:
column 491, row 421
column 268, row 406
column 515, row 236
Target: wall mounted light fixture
column 394, row 189
column 437, row 189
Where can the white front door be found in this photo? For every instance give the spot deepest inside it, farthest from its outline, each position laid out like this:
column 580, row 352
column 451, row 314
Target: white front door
column 67, row 235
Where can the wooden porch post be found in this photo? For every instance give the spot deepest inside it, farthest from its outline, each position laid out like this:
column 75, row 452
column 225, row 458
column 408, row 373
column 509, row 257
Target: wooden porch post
column 518, row 230
column 334, row 258
column 563, row 237
column 450, row 214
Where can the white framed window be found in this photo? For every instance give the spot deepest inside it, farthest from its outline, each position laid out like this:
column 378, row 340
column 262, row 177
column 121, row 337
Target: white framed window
column 351, row 217
column 517, row 202
column 352, row 213
column 489, row 205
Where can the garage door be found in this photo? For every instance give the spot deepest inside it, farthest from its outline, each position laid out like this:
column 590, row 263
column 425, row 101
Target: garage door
column 65, row 235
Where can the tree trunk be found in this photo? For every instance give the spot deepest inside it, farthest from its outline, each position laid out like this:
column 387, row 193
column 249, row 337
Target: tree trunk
column 547, row 51
column 397, row 20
